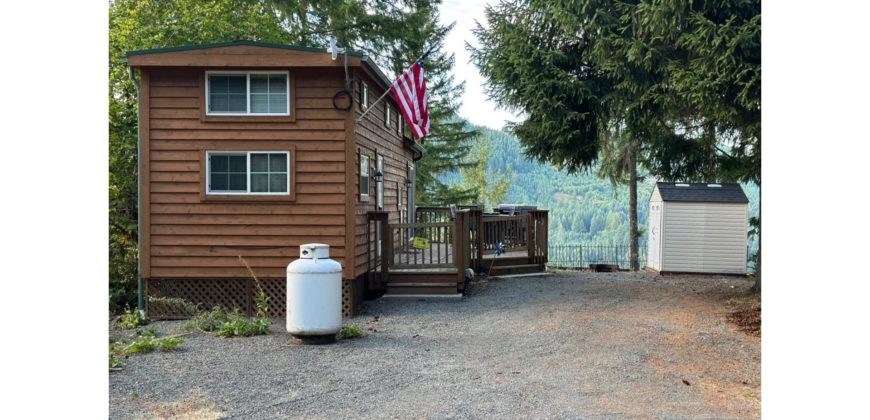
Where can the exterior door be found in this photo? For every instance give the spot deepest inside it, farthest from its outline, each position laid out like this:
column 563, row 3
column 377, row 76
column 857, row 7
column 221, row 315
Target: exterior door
column 653, row 254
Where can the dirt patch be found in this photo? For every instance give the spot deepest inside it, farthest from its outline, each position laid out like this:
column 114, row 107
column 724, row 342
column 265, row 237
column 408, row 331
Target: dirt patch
column 746, row 314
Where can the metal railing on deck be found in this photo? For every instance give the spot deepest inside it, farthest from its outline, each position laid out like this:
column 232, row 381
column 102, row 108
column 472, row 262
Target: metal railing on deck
column 581, row 255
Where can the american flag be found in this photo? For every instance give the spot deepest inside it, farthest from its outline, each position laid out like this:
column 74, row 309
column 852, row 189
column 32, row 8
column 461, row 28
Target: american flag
column 409, row 90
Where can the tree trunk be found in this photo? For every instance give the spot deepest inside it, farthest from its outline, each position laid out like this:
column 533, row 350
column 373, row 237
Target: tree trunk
column 632, row 204
column 756, row 288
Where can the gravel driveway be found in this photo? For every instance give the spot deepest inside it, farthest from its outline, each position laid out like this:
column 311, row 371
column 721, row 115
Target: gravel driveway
column 576, row 345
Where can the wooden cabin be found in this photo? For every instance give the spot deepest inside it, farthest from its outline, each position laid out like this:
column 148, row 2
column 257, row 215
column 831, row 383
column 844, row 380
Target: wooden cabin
column 251, row 149
column 248, row 149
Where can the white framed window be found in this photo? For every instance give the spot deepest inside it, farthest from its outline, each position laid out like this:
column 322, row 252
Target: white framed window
column 380, row 184
column 364, row 175
column 248, row 173
column 388, row 116
column 247, row 93
column 364, row 96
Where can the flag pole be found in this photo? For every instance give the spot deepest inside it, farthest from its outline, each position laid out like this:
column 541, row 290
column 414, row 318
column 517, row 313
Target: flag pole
column 369, row 108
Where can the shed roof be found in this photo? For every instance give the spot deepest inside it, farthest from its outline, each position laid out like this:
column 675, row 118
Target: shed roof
column 702, row 192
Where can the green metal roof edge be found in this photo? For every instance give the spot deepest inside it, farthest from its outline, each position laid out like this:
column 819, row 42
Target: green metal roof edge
column 233, row 43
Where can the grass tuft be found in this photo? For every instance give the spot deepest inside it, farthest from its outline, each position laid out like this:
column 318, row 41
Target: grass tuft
column 349, row 332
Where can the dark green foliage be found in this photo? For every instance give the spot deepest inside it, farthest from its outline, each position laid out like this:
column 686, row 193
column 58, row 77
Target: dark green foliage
column 531, row 66
column 395, row 34
column 671, row 85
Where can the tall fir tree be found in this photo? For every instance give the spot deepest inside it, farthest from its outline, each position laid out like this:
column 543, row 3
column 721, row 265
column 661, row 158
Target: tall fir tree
column 682, row 78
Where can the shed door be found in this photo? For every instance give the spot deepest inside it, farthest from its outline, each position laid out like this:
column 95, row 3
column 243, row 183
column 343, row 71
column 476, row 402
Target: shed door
column 655, row 235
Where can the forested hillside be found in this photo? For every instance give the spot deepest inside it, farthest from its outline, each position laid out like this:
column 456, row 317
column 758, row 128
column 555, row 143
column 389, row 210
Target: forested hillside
column 583, row 208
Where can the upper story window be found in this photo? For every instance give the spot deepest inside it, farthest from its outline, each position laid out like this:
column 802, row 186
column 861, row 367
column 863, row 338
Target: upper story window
column 364, row 96
column 388, row 116
column 248, row 173
column 247, row 93
column 364, row 175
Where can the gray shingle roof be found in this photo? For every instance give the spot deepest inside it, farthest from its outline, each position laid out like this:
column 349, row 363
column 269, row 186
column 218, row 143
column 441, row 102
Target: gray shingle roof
column 727, row 193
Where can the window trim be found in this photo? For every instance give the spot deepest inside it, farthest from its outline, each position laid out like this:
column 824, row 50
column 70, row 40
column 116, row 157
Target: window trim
column 218, row 196
column 365, row 194
column 221, row 117
column 247, row 74
column 380, row 166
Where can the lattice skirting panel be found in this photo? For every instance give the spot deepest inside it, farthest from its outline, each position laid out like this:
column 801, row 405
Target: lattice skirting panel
column 228, row 293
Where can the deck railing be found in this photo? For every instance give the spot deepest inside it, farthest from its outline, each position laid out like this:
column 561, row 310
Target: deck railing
column 509, row 232
column 580, row 256
column 437, row 254
column 456, row 239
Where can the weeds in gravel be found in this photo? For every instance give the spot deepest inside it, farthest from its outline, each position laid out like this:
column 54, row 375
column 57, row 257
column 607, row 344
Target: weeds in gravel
column 149, row 343
column 132, row 319
column 144, row 341
column 350, row 331
column 243, row 327
column 226, row 323
column 261, row 302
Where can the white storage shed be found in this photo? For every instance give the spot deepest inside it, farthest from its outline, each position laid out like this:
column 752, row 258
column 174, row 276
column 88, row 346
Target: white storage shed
column 698, row 228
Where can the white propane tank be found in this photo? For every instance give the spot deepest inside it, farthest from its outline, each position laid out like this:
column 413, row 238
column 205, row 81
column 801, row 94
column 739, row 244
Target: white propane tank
column 314, row 294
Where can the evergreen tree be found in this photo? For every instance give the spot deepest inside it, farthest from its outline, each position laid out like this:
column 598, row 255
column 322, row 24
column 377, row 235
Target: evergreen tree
column 490, row 186
column 680, row 79
column 395, row 34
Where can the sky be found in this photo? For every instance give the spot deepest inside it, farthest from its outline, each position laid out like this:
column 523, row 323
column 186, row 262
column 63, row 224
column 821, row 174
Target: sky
column 476, row 106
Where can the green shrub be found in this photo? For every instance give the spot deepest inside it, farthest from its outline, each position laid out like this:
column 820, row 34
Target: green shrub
column 350, row 331
column 131, row 319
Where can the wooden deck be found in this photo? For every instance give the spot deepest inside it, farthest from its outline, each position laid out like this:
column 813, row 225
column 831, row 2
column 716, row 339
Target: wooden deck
column 454, row 245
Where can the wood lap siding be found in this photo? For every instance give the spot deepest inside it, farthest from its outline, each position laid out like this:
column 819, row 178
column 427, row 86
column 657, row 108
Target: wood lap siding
column 191, row 237
column 374, row 138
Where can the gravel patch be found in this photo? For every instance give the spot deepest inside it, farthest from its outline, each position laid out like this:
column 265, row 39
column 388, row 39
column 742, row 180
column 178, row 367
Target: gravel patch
column 569, row 345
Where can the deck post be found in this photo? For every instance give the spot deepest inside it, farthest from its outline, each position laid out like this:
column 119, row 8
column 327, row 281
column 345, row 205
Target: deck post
column 530, row 236
column 477, row 215
column 460, row 245
column 379, row 272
